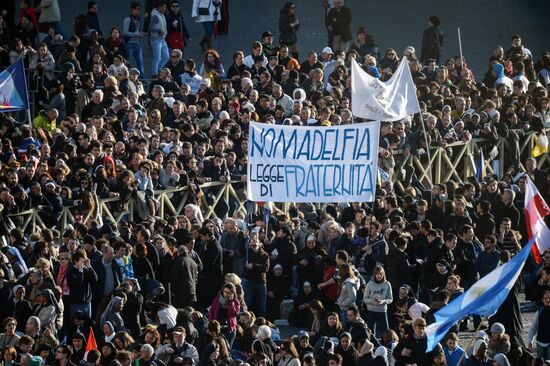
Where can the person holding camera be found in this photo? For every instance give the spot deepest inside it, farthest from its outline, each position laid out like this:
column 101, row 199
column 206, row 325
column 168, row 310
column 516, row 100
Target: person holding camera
column 177, row 351
column 80, row 279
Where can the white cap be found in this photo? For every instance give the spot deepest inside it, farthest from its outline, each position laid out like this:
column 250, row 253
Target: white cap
column 328, row 50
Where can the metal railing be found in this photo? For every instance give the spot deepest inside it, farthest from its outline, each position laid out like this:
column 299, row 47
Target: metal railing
column 455, row 162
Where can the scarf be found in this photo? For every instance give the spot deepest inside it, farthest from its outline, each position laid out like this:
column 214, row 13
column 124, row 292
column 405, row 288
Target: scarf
column 223, row 301
column 115, row 42
column 61, row 279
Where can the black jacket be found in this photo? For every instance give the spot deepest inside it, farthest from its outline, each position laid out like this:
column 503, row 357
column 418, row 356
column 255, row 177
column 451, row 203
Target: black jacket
column 260, row 266
column 432, row 44
column 419, row 355
column 340, row 22
column 184, row 276
column 398, row 269
column 80, row 285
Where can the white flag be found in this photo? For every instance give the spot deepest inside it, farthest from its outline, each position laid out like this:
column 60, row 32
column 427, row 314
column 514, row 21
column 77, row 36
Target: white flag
column 385, row 101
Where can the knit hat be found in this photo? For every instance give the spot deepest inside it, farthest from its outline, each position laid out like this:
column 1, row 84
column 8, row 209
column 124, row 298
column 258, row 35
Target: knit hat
column 501, row 359
column 68, row 66
column 235, row 104
column 498, row 328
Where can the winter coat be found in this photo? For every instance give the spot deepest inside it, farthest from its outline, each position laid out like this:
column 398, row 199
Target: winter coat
column 398, row 269
column 348, row 293
column 80, row 285
column 432, row 44
column 260, row 266
column 340, row 22
column 287, row 33
column 419, row 355
column 233, row 309
column 48, row 65
column 184, row 277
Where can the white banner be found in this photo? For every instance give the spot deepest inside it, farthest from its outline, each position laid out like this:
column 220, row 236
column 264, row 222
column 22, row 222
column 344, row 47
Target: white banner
column 390, row 101
column 313, row 164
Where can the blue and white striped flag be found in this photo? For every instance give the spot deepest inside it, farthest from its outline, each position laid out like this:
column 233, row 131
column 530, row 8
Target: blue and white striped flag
column 483, row 298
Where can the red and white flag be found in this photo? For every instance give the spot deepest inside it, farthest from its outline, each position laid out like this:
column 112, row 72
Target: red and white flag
column 535, row 210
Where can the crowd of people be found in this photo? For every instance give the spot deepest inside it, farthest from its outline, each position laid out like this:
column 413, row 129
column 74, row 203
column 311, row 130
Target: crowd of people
column 361, row 280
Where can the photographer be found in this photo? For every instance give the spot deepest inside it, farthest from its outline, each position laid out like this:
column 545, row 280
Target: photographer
column 174, row 353
column 80, row 279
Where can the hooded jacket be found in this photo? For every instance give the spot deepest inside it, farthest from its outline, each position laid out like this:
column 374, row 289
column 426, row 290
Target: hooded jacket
column 348, row 292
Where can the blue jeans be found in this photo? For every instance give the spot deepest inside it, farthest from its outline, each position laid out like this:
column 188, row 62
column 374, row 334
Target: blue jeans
column 377, row 321
column 230, row 336
column 161, row 55
column 134, row 50
column 85, row 308
column 255, row 296
column 343, row 317
column 208, row 28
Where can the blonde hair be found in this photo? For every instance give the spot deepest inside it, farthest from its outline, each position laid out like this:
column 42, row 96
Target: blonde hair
column 233, row 278
column 42, row 262
column 112, row 80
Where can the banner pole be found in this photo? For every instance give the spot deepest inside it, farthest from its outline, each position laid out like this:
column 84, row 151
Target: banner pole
column 470, row 343
column 460, row 44
column 247, row 235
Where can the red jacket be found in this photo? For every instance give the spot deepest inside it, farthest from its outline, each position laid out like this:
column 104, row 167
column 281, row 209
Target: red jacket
column 31, row 13
column 233, row 309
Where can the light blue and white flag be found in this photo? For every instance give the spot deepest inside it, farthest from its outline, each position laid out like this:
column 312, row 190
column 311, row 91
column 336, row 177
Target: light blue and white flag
column 483, row 298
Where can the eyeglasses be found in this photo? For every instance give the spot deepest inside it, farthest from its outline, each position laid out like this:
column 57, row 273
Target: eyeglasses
column 175, row 6
column 174, row 56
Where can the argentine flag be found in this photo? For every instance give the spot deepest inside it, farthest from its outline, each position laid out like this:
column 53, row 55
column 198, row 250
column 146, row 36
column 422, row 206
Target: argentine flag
column 483, row 298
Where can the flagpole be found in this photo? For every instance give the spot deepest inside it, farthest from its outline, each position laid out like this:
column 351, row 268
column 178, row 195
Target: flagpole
column 29, row 117
column 460, row 47
column 470, row 343
column 247, row 235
